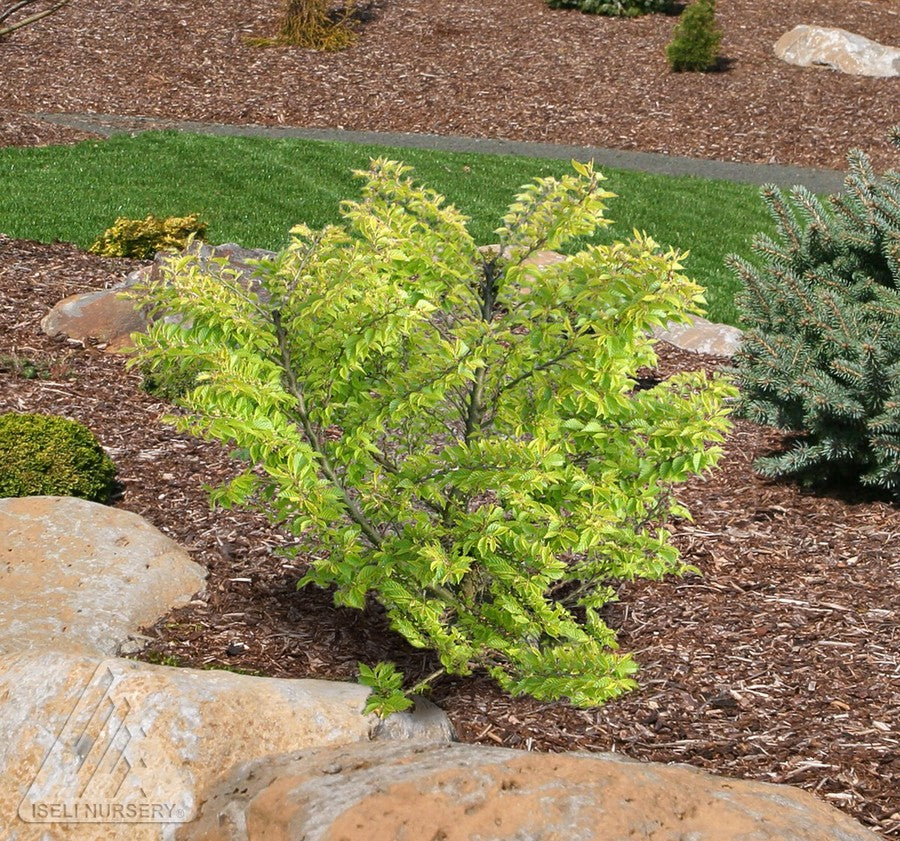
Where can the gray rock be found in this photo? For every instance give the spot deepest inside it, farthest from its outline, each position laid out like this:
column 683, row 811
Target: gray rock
column 425, row 722
column 390, row 792
column 85, row 576
column 210, row 258
column 837, row 49
column 702, row 336
column 108, row 317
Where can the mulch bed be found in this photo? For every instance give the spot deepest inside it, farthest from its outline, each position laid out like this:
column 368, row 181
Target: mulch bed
column 779, row 662
column 481, row 68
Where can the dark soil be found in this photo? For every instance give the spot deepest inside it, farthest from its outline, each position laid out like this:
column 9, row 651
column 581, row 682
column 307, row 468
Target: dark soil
column 779, row 662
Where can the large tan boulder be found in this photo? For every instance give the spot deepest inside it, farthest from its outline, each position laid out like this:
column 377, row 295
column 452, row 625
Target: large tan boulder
column 78, row 574
column 387, row 792
column 95, row 749
column 837, row 49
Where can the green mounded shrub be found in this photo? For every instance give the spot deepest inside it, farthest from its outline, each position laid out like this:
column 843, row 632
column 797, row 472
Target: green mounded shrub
column 614, row 8
column 822, row 355
column 454, row 431
column 142, row 238
column 695, row 42
column 47, row 455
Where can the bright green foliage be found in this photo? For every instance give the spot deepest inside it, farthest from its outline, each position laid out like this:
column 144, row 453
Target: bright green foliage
column 387, row 684
column 47, row 455
column 142, row 238
column 613, row 8
column 695, row 42
column 823, row 355
column 453, row 430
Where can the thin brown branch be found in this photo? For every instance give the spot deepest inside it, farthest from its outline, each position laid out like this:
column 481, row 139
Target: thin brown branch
column 353, row 507
column 29, row 20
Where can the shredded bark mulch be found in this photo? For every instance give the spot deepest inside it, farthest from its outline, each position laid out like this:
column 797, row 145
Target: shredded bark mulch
column 479, row 68
column 779, row 662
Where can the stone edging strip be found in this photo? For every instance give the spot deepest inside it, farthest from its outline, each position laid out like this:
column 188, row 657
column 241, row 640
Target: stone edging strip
column 817, row 180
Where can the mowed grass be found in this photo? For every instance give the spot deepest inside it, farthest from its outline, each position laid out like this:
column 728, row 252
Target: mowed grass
column 252, row 191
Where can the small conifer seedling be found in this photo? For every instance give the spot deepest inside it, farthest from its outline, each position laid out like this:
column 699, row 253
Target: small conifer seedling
column 695, row 43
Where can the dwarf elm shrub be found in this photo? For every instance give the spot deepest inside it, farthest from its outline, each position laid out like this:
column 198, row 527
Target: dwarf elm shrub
column 456, row 432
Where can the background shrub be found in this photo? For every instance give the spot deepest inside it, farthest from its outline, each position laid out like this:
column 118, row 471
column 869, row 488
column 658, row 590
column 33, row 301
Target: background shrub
column 169, row 383
column 47, row 455
column 142, row 238
column 695, row 42
column 313, row 24
column 614, row 8
column 822, row 357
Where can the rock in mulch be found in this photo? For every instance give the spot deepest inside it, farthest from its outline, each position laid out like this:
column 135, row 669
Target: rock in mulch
column 387, row 792
column 106, row 317
column 101, row 316
column 425, row 722
column 702, row 336
column 82, row 575
column 837, row 49
column 79, row 734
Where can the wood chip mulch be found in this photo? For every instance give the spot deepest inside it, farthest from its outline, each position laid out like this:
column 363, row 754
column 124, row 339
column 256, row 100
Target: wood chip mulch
column 479, row 68
column 779, row 662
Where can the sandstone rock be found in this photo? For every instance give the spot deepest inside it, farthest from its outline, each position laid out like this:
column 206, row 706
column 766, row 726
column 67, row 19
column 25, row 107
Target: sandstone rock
column 102, row 316
column 106, row 316
column 538, row 259
column 82, row 575
column 85, row 738
column 387, row 792
column 702, row 336
column 815, row 46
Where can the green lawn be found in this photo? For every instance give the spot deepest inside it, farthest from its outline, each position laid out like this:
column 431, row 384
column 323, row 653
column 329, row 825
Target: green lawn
column 251, row 191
